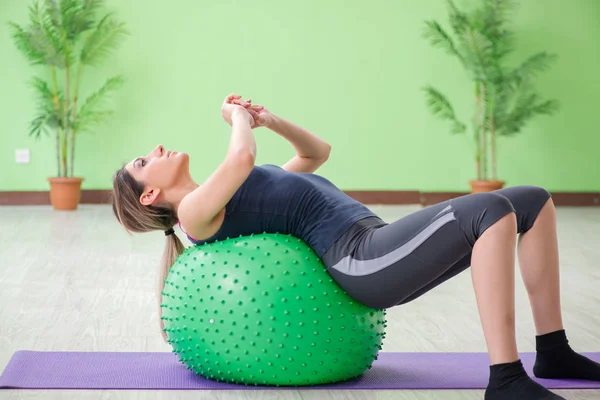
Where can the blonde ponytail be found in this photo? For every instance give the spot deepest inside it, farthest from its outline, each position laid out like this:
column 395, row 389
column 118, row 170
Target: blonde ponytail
column 173, row 248
column 136, row 217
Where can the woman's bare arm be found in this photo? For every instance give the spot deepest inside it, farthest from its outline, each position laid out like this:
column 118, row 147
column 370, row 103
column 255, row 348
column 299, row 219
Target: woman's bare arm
column 311, row 150
column 198, row 209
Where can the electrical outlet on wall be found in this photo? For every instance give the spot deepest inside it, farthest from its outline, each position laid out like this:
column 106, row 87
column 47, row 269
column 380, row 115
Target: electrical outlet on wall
column 22, row 156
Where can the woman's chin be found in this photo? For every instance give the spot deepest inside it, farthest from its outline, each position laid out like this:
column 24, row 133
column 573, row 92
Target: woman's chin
column 182, row 158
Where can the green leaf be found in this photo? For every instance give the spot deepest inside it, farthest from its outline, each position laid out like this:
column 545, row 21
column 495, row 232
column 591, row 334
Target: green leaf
column 52, row 8
column 48, row 113
column 439, row 38
column 86, row 18
column 40, row 41
column 498, row 12
column 44, row 28
column 39, row 125
column 483, row 42
column 88, row 114
column 527, row 105
column 77, row 16
column 43, row 89
column 61, row 14
column 106, row 37
column 535, row 64
column 27, row 45
column 441, row 107
column 548, row 107
column 478, row 52
column 458, row 19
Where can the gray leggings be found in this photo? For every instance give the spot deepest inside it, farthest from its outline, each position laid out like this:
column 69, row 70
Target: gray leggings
column 382, row 265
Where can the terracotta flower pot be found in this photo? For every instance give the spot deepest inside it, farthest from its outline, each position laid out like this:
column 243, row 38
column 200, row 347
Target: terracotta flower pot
column 485, row 186
column 65, row 193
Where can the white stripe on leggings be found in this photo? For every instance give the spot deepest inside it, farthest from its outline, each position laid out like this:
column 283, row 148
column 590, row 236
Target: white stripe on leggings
column 352, row 267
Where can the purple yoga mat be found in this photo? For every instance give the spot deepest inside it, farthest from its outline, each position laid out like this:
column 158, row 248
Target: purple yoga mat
column 122, row 370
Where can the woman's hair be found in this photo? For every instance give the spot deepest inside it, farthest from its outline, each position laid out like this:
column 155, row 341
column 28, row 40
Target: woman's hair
column 136, row 217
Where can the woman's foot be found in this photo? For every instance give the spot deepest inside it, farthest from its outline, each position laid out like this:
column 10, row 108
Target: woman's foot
column 557, row 360
column 509, row 381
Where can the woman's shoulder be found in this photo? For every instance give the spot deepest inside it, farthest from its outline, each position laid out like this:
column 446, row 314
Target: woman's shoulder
column 269, row 167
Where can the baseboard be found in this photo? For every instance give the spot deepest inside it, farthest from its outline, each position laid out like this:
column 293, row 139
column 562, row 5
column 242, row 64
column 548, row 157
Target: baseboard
column 42, row 198
column 398, row 197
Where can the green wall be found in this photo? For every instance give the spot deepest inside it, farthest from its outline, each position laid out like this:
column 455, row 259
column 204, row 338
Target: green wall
column 350, row 71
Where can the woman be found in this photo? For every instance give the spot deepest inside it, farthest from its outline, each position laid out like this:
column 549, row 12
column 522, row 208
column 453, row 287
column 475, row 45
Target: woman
column 381, row 265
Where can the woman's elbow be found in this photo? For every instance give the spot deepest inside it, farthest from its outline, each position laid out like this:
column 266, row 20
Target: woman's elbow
column 326, row 152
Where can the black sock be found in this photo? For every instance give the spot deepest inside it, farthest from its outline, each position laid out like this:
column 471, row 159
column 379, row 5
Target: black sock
column 509, row 381
column 555, row 359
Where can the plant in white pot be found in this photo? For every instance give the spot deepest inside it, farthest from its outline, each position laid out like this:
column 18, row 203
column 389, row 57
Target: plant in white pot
column 504, row 97
column 65, row 37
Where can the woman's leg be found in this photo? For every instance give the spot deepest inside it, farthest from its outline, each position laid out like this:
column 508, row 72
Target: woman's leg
column 492, row 271
column 396, row 263
column 538, row 259
column 538, row 254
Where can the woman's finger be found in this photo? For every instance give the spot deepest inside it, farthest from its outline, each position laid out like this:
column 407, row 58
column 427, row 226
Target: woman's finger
column 241, row 103
column 232, row 97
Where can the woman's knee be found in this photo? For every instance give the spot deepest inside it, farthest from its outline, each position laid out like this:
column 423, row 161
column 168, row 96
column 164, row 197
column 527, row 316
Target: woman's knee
column 504, row 225
column 519, row 194
column 497, row 209
column 479, row 211
column 528, row 201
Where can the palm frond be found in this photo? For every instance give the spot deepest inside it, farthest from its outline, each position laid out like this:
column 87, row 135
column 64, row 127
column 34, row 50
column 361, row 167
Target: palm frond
column 87, row 16
column 61, row 13
column 43, row 89
column 458, row 19
column 478, row 52
column 104, row 38
column 52, row 8
column 40, row 125
column 48, row 117
column 77, row 16
column 498, row 12
column 91, row 119
column 526, row 105
column 46, row 102
column 69, row 14
column 499, row 97
column 504, row 43
column 489, row 21
column 439, row 38
column 70, row 19
column 43, row 26
column 39, row 42
column 441, row 107
column 532, row 66
column 26, row 45
column 548, row 107
column 89, row 115
column 44, row 123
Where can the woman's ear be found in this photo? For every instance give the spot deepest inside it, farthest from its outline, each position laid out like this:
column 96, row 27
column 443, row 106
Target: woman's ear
column 149, row 196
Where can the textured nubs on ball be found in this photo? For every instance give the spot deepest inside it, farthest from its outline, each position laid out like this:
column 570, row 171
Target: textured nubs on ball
column 263, row 310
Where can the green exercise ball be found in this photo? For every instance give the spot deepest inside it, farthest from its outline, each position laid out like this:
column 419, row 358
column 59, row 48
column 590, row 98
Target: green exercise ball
column 263, row 310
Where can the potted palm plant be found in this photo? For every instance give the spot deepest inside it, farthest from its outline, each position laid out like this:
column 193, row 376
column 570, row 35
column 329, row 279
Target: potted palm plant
column 505, row 98
column 65, row 37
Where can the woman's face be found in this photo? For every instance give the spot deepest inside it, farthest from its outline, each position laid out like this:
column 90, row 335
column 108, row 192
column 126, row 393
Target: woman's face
column 160, row 169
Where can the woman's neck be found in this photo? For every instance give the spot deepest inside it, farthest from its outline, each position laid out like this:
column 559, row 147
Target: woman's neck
column 178, row 193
